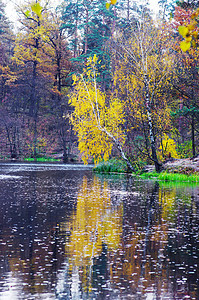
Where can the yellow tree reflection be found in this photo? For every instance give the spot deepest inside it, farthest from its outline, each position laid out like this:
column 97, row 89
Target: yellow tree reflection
column 95, row 223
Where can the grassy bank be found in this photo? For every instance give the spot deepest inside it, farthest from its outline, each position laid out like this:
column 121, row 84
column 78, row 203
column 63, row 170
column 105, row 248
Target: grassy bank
column 41, row 159
column 119, row 166
column 164, row 176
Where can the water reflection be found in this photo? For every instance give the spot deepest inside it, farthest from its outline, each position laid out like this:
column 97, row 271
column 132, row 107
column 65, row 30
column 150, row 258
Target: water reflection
column 127, row 245
column 66, row 234
column 31, row 245
column 94, row 230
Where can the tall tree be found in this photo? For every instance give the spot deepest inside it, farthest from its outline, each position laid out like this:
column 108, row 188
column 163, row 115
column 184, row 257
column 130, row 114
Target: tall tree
column 186, row 85
column 59, row 105
column 8, row 120
column 89, row 25
column 33, row 55
column 6, row 47
column 96, row 122
column 142, row 76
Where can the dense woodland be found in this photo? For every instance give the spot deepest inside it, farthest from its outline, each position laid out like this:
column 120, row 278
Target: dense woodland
column 91, row 82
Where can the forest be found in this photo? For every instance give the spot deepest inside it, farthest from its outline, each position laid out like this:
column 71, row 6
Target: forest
column 90, row 80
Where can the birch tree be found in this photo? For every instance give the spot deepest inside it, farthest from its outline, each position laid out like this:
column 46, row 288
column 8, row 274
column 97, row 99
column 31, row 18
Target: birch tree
column 97, row 122
column 142, row 77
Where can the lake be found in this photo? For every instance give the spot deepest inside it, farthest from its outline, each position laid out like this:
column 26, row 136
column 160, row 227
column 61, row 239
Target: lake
column 66, row 233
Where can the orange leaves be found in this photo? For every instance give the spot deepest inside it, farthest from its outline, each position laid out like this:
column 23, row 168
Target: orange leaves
column 189, row 32
column 182, row 16
column 112, row 2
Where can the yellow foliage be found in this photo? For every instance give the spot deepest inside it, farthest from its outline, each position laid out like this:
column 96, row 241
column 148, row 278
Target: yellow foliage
column 190, row 32
column 167, row 199
column 185, row 45
column 112, row 2
column 37, row 9
column 95, row 223
column 97, row 121
column 167, row 148
column 33, row 46
column 146, row 55
column 108, row 5
column 183, row 30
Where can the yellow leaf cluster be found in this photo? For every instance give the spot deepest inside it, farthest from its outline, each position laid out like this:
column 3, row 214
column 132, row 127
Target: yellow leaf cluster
column 96, row 120
column 167, row 148
column 37, row 8
column 112, row 2
column 189, row 32
column 129, row 79
column 32, row 46
column 6, row 75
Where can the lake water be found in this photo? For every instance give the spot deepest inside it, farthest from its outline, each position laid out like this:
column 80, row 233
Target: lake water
column 66, row 233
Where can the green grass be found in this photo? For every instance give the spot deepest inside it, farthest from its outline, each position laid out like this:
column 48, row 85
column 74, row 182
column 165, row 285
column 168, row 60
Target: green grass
column 111, row 166
column 164, row 176
column 119, row 166
column 41, row 159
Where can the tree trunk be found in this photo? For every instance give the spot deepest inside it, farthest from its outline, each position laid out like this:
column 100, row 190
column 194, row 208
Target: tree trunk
column 193, row 136
column 35, row 138
column 34, row 102
column 152, row 139
column 76, row 28
column 119, row 147
column 128, row 11
column 86, row 32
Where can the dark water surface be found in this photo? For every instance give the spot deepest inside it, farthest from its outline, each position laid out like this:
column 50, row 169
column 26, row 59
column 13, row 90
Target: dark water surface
column 66, row 233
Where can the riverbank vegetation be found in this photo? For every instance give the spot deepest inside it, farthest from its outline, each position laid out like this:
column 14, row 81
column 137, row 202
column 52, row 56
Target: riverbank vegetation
column 95, row 82
column 119, row 166
column 164, row 176
column 111, row 166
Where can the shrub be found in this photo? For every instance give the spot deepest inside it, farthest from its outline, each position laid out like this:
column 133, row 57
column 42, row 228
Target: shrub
column 111, row 166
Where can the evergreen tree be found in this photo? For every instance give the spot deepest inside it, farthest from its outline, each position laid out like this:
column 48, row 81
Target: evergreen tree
column 89, row 25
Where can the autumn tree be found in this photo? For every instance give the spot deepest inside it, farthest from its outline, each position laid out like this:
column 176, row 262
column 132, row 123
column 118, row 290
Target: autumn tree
column 186, row 83
column 37, row 55
column 9, row 122
column 97, row 122
column 6, row 46
column 141, row 78
column 62, row 67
